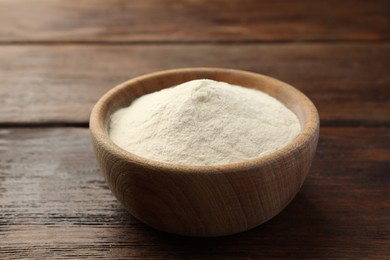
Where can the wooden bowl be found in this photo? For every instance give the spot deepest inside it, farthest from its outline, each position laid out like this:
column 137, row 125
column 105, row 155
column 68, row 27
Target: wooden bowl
column 205, row 200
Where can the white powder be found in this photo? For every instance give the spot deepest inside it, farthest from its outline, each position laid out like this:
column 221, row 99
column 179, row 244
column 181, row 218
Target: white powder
column 204, row 122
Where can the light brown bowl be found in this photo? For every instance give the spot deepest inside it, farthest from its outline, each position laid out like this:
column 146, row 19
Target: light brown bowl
column 205, row 200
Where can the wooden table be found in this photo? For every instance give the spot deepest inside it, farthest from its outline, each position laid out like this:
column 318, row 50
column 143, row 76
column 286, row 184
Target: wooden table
column 57, row 57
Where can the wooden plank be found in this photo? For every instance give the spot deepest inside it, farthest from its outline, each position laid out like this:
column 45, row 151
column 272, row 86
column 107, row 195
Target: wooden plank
column 193, row 21
column 349, row 83
column 54, row 203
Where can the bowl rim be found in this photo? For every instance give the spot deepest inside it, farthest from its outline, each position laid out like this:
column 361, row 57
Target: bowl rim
column 97, row 130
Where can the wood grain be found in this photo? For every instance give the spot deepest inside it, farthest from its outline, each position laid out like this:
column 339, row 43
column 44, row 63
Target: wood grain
column 349, row 83
column 193, row 21
column 54, row 203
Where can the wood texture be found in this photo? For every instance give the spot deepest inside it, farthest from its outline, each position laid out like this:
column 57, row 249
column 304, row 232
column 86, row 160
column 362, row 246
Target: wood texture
column 193, row 21
column 212, row 200
column 54, row 203
column 38, row 84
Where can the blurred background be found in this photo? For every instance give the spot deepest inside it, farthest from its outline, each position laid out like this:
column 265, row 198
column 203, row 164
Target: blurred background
column 58, row 57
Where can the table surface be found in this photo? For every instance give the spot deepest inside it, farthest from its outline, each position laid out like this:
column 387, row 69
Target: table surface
column 57, row 57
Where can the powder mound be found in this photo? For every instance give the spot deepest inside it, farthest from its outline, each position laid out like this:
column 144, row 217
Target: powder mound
column 204, row 122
